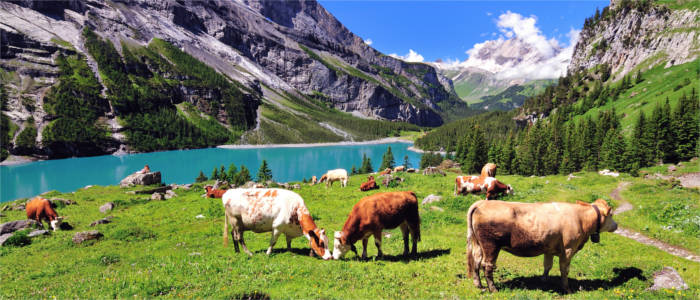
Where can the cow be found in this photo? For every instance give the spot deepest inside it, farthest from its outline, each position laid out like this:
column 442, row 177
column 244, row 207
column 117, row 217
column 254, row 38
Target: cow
column 40, row 209
column 314, row 180
column 277, row 210
column 335, row 175
column 399, row 169
column 478, row 184
column 214, row 193
column 145, row 170
column 489, row 170
column 369, row 185
column 385, row 172
column 532, row 229
column 374, row 213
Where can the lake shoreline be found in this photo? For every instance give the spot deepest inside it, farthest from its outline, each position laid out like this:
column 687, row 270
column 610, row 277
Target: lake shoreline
column 310, row 145
column 18, row 160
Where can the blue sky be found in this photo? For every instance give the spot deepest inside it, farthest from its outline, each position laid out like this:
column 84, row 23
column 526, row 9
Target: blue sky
column 447, row 29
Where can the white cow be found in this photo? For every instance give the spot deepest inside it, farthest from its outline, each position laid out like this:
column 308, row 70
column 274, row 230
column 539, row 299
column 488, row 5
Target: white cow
column 335, row 175
column 277, row 210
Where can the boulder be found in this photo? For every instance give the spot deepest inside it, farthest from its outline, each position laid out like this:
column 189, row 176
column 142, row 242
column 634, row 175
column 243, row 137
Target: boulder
column 220, row 185
column 105, row 220
column 668, row 278
column 448, row 164
column 37, row 233
column 671, row 168
column 106, row 207
column 13, row 226
column 157, row 196
column 80, row 237
column 170, row 194
column 433, row 171
column 431, row 198
column 160, row 189
column 4, row 238
column 296, row 186
column 391, row 180
column 141, row 179
column 14, row 206
column 56, row 201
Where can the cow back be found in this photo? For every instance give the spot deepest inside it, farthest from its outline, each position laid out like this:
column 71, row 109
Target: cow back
column 382, row 210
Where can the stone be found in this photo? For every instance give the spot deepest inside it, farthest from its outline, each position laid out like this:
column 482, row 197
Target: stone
column 607, row 172
column 141, row 179
column 431, row 198
column 186, row 186
column 220, row 185
column 160, row 189
column 83, row 236
column 4, row 238
column 433, row 171
column 13, row 226
column 54, row 201
column 37, row 233
column 199, row 217
column 170, row 194
column 448, row 164
column 105, row 220
column 668, row 278
column 157, row 196
column 252, row 184
column 296, row 186
column 671, row 168
column 106, row 207
column 436, row 208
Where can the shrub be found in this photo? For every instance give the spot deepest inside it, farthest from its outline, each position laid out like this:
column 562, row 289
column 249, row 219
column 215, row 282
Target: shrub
column 19, row 238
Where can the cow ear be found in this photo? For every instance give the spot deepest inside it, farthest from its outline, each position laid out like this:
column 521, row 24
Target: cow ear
column 313, row 234
column 581, row 202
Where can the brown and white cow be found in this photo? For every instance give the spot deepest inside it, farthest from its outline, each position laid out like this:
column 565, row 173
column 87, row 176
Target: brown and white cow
column 374, row 213
column 214, row 193
column 479, row 184
column 277, row 210
column 335, row 175
column 532, row 229
column 369, row 185
column 40, row 209
column 399, row 169
column 489, row 170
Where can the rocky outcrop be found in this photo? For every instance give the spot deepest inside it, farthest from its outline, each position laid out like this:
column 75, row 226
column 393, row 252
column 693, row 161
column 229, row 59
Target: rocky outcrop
column 625, row 37
column 141, row 179
column 81, row 237
column 13, row 226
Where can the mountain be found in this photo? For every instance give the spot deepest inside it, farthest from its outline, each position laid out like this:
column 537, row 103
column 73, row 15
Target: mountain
column 496, row 65
column 83, row 77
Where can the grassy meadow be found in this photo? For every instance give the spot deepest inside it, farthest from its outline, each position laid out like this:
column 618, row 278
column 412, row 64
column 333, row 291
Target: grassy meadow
column 160, row 248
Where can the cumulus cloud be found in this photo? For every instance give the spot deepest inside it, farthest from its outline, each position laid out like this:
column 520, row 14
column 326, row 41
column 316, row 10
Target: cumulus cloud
column 412, row 56
column 368, row 42
column 521, row 50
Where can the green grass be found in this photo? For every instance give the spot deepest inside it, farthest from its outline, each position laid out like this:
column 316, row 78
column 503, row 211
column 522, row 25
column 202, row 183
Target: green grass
column 159, row 248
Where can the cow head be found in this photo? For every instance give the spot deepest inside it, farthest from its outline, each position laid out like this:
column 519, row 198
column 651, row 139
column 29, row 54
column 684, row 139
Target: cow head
column 323, row 178
column 340, row 245
column 319, row 243
column 56, row 223
column 509, row 190
column 607, row 224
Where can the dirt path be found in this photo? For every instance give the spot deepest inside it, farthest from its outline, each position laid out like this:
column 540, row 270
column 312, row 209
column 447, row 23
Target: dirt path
column 626, row 206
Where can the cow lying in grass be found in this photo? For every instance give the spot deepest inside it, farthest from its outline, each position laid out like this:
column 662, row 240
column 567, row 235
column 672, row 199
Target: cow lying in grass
column 478, row 184
column 532, row 229
column 40, row 209
column 369, row 185
column 214, row 193
column 335, row 175
column 277, row 210
column 377, row 212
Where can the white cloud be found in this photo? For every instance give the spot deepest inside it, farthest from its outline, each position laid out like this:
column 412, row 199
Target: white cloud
column 412, row 56
column 521, row 50
column 488, row 13
column 369, row 42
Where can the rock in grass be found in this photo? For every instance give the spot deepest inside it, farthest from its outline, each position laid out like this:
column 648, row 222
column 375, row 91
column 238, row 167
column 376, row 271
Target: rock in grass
column 170, row 194
column 4, row 237
column 141, row 179
column 668, row 278
column 13, row 226
column 80, row 237
column 433, row 171
column 156, row 196
column 61, row 202
column 199, row 217
column 102, row 221
column 431, row 198
column 37, row 233
column 106, row 207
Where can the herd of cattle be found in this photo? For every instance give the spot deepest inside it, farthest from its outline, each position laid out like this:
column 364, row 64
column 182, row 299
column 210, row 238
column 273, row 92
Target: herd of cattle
column 523, row 229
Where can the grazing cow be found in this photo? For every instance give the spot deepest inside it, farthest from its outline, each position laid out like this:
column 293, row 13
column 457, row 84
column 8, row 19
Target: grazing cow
column 145, row 170
column 369, row 185
column 489, row 170
column 277, row 210
column 314, row 180
column 39, row 209
column 399, row 169
column 335, row 175
column 214, row 193
column 374, row 213
column 532, row 229
column 478, row 184
column 385, row 172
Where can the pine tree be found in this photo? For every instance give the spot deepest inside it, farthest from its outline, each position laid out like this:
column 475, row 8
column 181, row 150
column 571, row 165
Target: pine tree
column 214, row 174
column 304, row 180
column 232, row 172
column 264, row 172
column 639, row 79
column 353, row 171
column 477, row 154
column 201, row 177
column 366, row 165
column 406, row 163
column 387, row 160
column 687, row 126
column 243, row 176
column 222, row 174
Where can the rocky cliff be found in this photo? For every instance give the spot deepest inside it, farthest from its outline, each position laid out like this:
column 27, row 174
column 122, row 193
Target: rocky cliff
column 638, row 34
column 268, row 50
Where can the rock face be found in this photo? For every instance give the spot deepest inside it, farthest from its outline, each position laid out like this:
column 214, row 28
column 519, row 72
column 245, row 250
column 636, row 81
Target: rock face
column 668, row 278
column 81, row 237
column 106, row 207
column 13, row 226
column 629, row 36
column 141, row 179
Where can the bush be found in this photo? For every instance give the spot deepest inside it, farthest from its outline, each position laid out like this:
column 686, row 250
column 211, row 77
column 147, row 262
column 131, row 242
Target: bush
column 19, row 238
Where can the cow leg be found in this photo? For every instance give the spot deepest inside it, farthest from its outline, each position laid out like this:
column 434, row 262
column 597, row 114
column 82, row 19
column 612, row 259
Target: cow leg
column 490, row 254
column 364, row 247
column 378, row 242
column 404, row 231
column 244, row 246
column 475, row 254
column 273, row 240
column 564, row 261
column 548, row 261
column 289, row 242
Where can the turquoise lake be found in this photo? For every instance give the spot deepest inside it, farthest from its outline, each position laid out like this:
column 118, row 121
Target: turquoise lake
column 182, row 166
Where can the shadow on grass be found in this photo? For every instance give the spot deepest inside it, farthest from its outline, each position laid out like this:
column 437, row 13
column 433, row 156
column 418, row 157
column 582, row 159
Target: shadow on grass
column 298, row 251
column 421, row 255
column 251, row 296
column 553, row 283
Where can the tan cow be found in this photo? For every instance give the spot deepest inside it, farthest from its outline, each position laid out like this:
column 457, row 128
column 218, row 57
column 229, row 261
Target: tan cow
column 335, row 175
column 532, row 229
column 489, row 170
column 377, row 212
column 399, row 169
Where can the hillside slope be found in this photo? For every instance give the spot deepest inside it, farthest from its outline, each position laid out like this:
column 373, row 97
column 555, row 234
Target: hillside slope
column 263, row 49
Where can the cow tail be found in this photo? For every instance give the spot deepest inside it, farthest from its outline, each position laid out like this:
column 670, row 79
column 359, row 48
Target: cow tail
column 473, row 247
column 225, row 227
column 416, row 218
